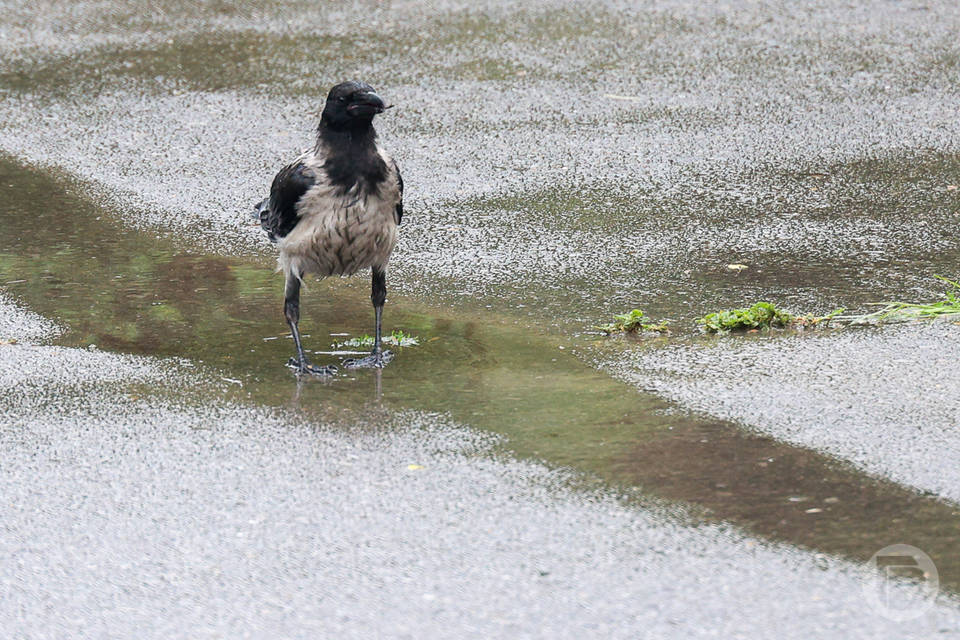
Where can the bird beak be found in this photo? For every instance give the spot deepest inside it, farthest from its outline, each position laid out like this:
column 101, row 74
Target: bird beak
column 367, row 103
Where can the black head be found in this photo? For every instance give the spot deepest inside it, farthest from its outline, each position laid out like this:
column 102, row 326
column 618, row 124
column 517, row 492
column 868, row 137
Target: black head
column 351, row 105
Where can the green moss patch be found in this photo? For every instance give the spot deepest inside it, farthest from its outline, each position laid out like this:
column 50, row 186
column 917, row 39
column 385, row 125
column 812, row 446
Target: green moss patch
column 633, row 322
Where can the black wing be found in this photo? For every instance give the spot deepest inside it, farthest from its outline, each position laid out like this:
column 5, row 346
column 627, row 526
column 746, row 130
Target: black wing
column 399, row 209
column 280, row 216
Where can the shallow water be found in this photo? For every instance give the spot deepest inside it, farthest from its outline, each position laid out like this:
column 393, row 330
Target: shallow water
column 146, row 293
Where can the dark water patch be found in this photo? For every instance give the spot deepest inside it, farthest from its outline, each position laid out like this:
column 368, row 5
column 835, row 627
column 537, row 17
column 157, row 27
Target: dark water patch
column 790, row 493
column 141, row 293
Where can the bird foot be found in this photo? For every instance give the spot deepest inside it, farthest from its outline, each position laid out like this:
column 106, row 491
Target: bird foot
column 303, row 367
column 375, row 360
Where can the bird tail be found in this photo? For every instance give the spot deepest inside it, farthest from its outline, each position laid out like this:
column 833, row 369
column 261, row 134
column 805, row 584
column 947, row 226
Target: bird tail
column 260, row 213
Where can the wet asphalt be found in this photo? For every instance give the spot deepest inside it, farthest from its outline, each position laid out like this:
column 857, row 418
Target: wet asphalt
column 563, row 162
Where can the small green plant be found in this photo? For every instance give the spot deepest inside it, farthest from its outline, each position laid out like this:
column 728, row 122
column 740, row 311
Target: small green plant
column 362, row 341
column 905, row 311
column 396, row 338
column 400, row 339
column 762, row 315
column 632, row 322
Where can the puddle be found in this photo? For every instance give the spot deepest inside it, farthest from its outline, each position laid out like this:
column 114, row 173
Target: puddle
column 136, row 292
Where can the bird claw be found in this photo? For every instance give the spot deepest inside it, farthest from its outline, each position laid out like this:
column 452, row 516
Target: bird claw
column 302, row 367
column 374, row 361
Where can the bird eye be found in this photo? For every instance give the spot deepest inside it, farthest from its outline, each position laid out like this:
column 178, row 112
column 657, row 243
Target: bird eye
column 342, row 98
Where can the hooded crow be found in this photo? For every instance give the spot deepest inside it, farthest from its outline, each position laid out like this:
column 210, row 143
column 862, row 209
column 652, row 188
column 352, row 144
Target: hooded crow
column 335, row 210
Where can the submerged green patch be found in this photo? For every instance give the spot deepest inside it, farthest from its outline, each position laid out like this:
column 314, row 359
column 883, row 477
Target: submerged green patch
column 632, row 322
column 396, row 338
column 760, row 316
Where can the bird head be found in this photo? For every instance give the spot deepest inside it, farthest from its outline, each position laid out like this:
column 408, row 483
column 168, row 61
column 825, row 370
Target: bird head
column 351, row 105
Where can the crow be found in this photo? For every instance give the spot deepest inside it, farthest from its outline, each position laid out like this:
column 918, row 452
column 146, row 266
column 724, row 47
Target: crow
column 335, row 210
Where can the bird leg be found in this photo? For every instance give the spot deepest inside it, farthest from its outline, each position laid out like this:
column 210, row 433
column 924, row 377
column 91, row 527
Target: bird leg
column 291, row 311
column 378, row 357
